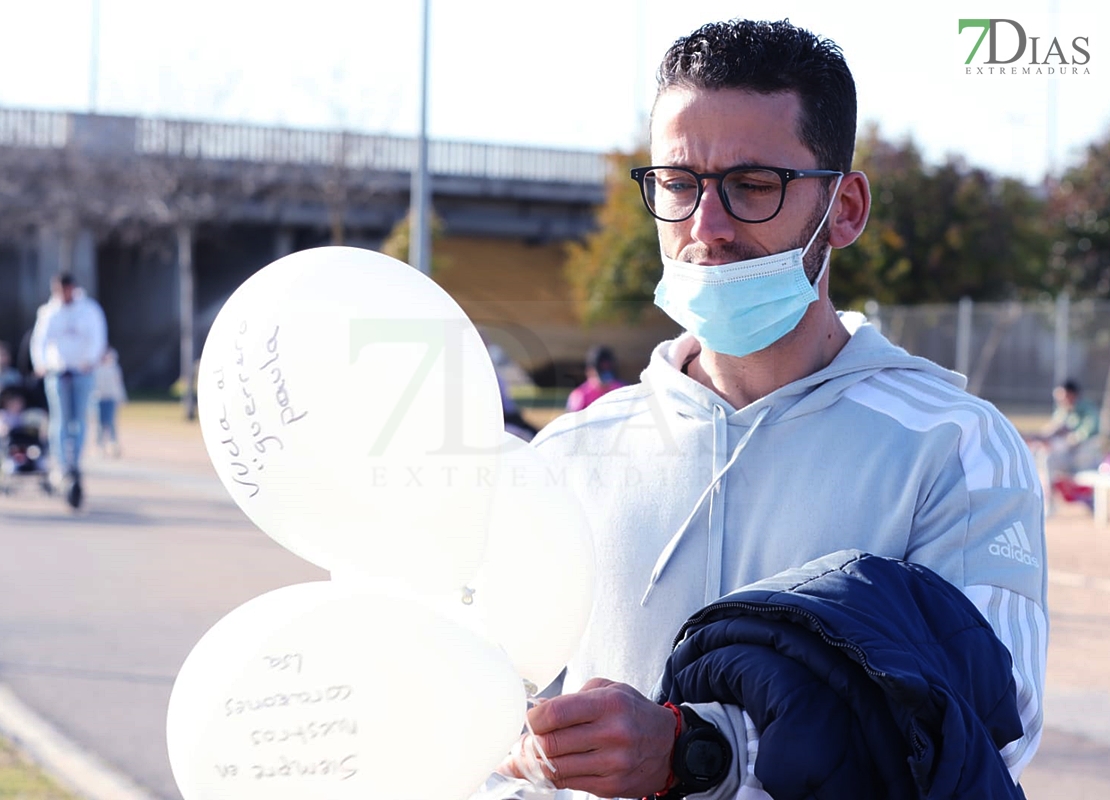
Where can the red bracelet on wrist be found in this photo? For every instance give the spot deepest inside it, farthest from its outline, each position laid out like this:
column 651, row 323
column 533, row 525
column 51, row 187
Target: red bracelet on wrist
column 677, row 732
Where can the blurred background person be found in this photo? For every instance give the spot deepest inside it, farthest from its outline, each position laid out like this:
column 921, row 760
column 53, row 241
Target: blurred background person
column 67, row 342
column 1068, row 444
column 515, row 423
column 9, row 374
column 507, row 369
column 1071, row 437
column 601, row 378
column 33, row 390
column 12, row 406
column 110, row 392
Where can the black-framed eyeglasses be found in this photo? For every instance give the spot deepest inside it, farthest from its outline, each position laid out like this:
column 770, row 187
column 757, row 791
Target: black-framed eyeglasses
column 750, row 194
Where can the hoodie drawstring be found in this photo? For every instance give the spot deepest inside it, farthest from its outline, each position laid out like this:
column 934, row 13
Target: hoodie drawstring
column 716, row 527
column 672, row 545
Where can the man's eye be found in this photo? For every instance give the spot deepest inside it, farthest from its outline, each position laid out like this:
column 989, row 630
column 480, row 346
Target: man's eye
column 678, row 186
column 752, row 187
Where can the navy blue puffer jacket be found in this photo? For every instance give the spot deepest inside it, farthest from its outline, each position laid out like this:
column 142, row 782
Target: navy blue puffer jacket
column 867, row 677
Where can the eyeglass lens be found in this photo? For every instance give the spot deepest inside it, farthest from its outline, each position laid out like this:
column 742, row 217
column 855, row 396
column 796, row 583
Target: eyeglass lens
column 752, row 195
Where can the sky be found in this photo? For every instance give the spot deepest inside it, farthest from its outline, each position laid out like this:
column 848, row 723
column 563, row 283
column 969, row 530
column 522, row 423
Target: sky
column 577, row 74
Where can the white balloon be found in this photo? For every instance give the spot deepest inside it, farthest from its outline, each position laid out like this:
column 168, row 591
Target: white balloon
column 226, row 648
column 353, row 695
column 534, row 591
column 351, row 409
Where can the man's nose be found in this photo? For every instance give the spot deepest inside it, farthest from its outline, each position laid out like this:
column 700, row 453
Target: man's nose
column 712, row 221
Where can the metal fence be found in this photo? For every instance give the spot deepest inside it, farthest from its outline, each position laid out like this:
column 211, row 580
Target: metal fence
column 293, row 146
column 1013, row 354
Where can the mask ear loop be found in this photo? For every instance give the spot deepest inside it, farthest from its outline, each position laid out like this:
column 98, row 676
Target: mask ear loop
column 820, row 225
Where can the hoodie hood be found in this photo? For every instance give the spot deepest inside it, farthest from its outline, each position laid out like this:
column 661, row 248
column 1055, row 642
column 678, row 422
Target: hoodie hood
column 866, row 353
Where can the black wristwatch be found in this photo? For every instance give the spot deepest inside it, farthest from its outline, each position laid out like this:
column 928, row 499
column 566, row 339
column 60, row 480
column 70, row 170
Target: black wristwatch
column 702, row 757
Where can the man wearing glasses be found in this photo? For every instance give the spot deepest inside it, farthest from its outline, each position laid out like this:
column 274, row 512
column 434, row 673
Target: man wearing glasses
column 776, row 431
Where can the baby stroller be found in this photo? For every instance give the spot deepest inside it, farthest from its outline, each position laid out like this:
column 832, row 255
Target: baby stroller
column 23, row 454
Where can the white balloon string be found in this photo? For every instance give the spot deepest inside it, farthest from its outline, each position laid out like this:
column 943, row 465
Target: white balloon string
column 539, row 750
column 533, row 752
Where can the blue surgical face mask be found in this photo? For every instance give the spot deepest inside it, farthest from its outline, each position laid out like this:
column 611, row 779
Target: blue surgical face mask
column 745, row 306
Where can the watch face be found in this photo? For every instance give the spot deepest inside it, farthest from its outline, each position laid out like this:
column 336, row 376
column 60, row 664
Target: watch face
column 702, row 756
column 705, row 758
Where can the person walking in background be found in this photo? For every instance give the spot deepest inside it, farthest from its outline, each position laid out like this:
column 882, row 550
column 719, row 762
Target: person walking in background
column 110, row 393
column 601, row 378
column 67, row 342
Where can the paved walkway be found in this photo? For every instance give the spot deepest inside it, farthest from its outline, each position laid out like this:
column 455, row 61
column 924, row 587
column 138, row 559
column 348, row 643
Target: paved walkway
column 1073, row 760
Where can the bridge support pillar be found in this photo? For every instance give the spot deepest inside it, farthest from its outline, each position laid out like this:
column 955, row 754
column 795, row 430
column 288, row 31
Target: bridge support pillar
column 186, row 281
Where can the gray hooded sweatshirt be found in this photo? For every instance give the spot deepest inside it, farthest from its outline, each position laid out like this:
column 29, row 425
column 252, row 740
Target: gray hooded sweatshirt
column 690, row 498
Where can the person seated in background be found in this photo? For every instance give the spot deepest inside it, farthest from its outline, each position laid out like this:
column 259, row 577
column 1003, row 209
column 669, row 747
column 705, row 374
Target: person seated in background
column 1068, row 444
column 601, row 378
column 1071, row 438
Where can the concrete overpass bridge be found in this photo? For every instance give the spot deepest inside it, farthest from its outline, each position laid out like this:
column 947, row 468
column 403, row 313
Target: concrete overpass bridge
column 161, row 219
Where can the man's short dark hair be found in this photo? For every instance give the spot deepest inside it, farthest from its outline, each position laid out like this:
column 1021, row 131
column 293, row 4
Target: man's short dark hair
column 771, row 57
column 65, row 279
column 1071, row 386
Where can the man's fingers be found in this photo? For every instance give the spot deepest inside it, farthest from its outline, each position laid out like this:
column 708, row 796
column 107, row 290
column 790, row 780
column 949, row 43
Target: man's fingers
column 604, row 774
column 564, row 712
column 597, row 699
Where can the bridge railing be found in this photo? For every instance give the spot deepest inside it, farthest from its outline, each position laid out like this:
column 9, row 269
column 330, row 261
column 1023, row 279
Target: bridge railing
column 291, row 146
column 25, row 128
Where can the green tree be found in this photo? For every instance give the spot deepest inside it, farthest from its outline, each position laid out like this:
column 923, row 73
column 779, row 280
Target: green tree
column 937, row 234
column 613, row 273
column 396, row 244
column 1079, row 207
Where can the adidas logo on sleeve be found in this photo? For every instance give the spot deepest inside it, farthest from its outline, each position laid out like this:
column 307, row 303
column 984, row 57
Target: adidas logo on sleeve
column 1013, row 543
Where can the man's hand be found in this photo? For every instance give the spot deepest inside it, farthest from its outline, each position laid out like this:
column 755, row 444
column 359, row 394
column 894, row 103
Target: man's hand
column 607, row 739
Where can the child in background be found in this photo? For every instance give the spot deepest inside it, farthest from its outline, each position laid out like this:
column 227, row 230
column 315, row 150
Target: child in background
column 601, row 378
column 109, row 391
column 11, row 410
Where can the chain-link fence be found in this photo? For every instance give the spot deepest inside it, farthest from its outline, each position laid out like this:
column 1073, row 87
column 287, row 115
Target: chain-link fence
column 1013, row 354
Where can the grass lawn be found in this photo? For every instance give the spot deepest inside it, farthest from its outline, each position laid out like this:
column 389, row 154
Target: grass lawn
column 20, row 779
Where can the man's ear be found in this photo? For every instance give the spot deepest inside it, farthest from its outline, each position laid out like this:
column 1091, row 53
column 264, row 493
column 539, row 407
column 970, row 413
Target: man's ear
column 850, row 211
